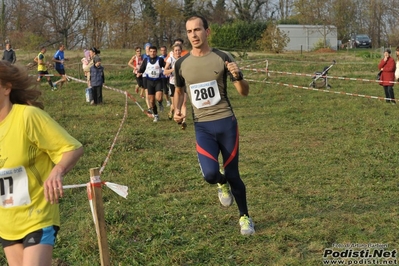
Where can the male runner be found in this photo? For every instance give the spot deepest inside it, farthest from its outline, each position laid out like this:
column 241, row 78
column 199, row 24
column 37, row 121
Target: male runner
column 204, row 73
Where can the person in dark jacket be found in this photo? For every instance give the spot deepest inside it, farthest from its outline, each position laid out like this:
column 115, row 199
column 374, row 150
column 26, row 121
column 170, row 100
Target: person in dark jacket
column 97, row 80
column 9, row 54
column 387, row 67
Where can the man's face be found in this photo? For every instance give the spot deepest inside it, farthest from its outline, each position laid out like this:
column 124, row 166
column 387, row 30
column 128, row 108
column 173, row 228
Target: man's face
column 163, row 51
column 196, row 33
column 153, row 53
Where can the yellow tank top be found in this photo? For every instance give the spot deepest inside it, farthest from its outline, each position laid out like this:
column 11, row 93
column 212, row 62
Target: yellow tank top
column 42, row 67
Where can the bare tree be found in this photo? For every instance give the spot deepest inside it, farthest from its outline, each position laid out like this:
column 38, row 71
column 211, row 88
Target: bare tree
column 171, row 21
column 219, row 12
column 121, row 19
column 248, row 10
column 127, row 23
column 3, row 20
column 285, row 7
column 61, row 19
column 343, row 14
column 315, row 12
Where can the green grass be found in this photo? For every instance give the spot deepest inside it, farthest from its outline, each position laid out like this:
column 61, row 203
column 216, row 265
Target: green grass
column 320, row 168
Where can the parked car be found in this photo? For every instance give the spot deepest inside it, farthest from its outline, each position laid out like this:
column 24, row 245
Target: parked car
column 361, row 41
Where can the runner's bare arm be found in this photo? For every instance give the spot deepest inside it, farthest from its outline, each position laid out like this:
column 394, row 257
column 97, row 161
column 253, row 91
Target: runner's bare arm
column 240, row 83
column 168, row 70
column 242, row 87
column 178, row 102
column 130, row 63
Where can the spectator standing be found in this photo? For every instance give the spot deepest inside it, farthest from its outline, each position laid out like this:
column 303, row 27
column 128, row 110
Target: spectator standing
column 97, row 81
column 94, row 53
column 9, row 54
column 397, row 64
column 387, row 67
column 36, row 154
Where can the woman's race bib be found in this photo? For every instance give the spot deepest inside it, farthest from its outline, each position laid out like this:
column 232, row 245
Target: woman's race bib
column 205, row 94
column 14, row 189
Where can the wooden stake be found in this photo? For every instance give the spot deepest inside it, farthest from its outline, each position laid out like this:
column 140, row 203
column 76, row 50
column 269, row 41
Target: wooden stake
column 95, row 183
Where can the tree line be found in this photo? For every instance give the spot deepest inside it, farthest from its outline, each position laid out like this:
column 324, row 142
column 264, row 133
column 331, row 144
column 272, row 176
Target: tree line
column 129, row 23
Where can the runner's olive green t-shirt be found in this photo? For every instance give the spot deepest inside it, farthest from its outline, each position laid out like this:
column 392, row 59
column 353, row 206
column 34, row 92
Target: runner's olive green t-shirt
column 205, row 78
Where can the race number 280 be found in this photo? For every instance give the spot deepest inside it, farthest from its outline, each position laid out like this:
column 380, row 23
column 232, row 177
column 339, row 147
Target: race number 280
column 204, row 93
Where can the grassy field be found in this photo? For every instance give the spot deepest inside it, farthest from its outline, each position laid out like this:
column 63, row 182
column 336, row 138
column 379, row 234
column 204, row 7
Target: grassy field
column 320, row 169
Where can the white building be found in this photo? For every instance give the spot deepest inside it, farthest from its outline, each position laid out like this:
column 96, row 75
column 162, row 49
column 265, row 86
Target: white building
column 304, row 37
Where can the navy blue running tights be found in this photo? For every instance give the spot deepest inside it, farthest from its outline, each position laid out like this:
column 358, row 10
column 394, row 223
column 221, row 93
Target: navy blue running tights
column 221, row 136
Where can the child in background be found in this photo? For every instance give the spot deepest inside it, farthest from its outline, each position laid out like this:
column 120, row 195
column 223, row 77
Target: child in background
column 97, row 81
column 87, row 54
column 85, row 63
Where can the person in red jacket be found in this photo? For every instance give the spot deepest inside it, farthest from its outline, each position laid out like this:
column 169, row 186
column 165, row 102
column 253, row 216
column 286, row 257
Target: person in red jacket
column 387, row 67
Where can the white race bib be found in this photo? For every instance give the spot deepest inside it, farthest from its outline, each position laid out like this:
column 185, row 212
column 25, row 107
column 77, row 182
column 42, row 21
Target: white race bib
column 14, row 189
column 205, row 94
column 153, row 70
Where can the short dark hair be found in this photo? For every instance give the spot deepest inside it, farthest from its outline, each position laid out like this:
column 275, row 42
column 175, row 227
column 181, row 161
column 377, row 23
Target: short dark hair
column 96, row 59
column 204, row 21
column 153, row 47
column 397, row 48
